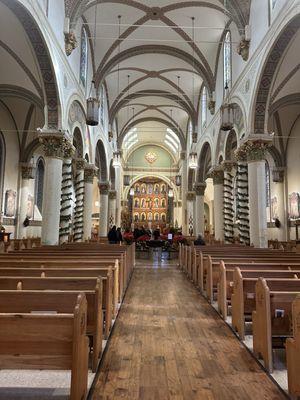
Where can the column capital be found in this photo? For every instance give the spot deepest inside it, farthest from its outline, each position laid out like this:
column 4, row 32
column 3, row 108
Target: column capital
column 253, row 148
column 112, row 194
column 199, row 188
column 55, row 143
column 27, row 170
column 90, row 171
column 217, row 175
column 79, row 163
column 190, row 196
column 278, row 174
column 104, row 187
column 228, row 165
column 182, row 155
column 70, row 42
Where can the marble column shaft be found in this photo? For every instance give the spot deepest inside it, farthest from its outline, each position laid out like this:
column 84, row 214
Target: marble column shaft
column 199, row 208
column 103, row 213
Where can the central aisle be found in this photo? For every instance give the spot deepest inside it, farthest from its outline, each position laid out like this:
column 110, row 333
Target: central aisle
column 168, row 343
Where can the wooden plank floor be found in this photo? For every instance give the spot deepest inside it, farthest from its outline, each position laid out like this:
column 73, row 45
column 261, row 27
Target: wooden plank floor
column 168, row 343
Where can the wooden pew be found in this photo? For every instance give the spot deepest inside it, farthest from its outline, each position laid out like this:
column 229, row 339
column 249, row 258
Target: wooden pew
column 53, row 341
column 243, row 297
column 225, row 282
column 64, row 270
column 93, row 289
column 293, row 351
column 211, row 279
column 68, row 262
column 76, row 257
column 272, row 318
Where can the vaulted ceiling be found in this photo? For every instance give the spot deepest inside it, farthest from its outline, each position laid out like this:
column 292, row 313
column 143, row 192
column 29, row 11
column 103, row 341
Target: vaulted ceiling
column 150, row 58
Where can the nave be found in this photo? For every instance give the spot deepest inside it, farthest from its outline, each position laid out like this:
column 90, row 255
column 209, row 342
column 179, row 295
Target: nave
column 169, row 343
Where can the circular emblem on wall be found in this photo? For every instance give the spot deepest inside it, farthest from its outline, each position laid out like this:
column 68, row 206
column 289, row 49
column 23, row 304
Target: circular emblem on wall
column 151, row 157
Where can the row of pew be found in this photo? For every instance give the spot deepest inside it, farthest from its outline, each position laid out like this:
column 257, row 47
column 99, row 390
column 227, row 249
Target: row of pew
column 57, row 305
column 258, row 288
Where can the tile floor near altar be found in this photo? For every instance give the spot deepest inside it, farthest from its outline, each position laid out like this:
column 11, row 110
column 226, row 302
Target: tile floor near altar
column 169, row 343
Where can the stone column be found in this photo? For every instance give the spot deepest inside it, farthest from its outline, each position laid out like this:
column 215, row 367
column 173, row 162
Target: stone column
column 27, row 172
column 254, row 152
column 89, row 174
column 79, row 195
column 184, row 188
column 112, row 208
column 217, row 174
column 119, row 188
column 103, row 213
column 228, row 167
column 278, row 192
column 66, row 195
column 199, row 217
column 54, row 143
column 190, row 202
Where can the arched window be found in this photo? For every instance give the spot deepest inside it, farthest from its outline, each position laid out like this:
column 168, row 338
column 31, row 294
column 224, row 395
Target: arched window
column 227, row 60
column 204, row 107
column 83, row 57
column 39, row 184
column 2, row 166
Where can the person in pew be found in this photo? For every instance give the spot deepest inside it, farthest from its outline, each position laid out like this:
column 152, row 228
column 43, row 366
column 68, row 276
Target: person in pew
column 119, row 235
column 112, row 235
column 199, row 241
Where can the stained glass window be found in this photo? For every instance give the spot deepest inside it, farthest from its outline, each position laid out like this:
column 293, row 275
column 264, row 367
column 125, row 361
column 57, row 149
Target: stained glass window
column 227, row 60
column 39, row 184
column 83, row 57
column 204, row 107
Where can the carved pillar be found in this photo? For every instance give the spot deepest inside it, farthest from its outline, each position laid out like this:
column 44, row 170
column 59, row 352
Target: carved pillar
column 27, row 172
column 190, row 201
column 217, row 175
column 199, row 208
column 229, row 174
column 54, row 144
column 279, row 205
column 118, row 186
column 89, row 174
column 112, row 205
column 254, row 153
column 79, row 203
column 184, row 188
column 66, row 195
column 103, row 214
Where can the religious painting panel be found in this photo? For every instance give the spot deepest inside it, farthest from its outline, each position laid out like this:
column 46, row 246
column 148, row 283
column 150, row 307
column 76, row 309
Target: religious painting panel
column 10, row 203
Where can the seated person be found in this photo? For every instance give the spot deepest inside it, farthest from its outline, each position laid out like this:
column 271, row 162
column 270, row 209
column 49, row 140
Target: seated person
column 199, row 241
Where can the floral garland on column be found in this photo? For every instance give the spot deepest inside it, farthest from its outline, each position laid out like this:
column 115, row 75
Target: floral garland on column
column 66, row 195
column 228, row 201
column 79, row 205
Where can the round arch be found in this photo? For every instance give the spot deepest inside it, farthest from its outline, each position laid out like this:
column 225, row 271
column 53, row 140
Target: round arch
column 101, row 161
column 260, row 112
column 204, row 162
column 42, row 54
column 112, row 176
column 230, row 144
column 78, row 142
column 155, row 119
